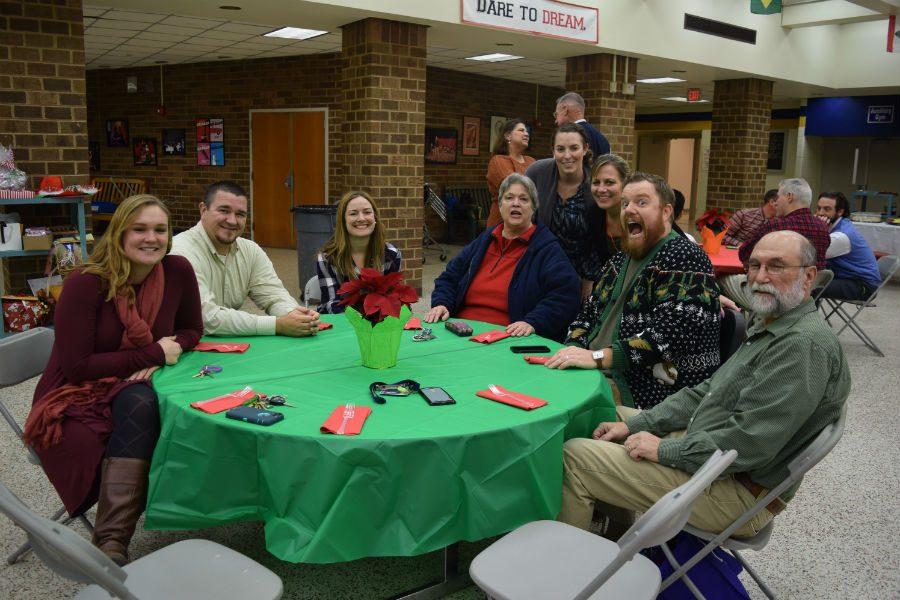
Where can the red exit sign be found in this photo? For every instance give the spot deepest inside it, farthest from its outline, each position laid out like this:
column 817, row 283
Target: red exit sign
column 693, row 95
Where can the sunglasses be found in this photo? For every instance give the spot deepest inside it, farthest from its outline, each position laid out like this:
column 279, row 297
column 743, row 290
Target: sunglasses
column 379, row 389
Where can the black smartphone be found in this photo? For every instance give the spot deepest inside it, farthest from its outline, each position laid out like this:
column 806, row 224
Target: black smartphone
column 258, row 416
column 529, row 349
column 436, row 396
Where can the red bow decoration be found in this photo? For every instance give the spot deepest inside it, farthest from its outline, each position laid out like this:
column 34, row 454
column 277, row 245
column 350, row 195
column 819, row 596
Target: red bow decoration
column 376, row 296
column 715, row 220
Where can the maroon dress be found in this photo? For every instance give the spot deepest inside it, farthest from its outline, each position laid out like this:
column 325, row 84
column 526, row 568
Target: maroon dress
column 88, row 336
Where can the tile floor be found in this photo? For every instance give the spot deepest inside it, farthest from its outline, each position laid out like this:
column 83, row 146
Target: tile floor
column 839, row 539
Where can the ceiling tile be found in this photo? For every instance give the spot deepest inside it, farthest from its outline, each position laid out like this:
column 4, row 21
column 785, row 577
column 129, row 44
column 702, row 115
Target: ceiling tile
column 216, row 34
column 140, row 17
column 94, row 11
column 160, row 37
column 105, row 32
column 191, row 22
column 245, row 28
column 173, row 30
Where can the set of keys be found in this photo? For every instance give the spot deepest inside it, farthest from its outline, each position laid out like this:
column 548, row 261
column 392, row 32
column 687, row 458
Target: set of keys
column 208, row 371
column 264, row 402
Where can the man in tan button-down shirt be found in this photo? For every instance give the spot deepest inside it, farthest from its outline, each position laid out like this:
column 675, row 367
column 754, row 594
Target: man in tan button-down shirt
column 230, row 269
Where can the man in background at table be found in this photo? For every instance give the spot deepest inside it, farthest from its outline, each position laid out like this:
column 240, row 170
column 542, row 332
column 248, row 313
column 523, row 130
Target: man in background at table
column 786, row 383
column 570, row 108
column 791, row 213
column 745, row 222
column 652, row 322
column 849, row 256
column 231, row 268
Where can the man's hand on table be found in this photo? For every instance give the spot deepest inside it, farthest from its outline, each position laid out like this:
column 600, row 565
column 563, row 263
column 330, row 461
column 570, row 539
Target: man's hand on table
column 300, row 322
column 437, row 313
column 519, row 329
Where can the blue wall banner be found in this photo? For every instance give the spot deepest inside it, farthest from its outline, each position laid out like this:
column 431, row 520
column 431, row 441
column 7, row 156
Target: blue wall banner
column 868, row 116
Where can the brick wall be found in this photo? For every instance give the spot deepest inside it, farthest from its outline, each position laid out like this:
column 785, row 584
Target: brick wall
column 740, row 143
column 611, row 113
column 384, row 127
column 227, row 89
column 42, row 106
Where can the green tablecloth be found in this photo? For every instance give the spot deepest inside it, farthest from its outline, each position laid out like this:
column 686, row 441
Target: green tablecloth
column 416, row 479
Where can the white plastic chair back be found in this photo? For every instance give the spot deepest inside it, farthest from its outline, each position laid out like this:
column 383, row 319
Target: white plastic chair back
column 312, row 292
column 24, row 355
column 887, row 265
column 664, row 519
column 63, row 550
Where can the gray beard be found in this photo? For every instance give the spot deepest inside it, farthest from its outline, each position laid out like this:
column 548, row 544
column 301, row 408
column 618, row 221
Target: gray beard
column 782, row 301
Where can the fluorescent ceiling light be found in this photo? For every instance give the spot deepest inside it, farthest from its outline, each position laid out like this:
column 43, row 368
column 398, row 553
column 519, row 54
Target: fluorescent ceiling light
column 494, row 57
column 683, row 99
column 661, row 80
column 295, row 33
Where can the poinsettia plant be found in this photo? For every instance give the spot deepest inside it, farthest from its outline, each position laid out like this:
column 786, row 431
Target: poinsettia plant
column 376, row 296
column 717, row 221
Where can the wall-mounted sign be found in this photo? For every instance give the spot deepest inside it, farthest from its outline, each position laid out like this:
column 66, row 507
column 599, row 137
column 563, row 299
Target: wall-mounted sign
column 540, row 17
column 693, row 95
column 880, row 114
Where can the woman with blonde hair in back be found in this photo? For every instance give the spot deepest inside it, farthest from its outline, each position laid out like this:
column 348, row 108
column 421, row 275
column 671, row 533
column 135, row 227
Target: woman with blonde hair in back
column 94, row 421
column 358, row 243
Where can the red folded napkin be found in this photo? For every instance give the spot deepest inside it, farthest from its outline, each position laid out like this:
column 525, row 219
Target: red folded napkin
column 323, row 325
column 413, row 323
column 230, row 400
column 221, row 347
column 512, row 398
column 352, row 425
column 489, row 337
column 537, row 360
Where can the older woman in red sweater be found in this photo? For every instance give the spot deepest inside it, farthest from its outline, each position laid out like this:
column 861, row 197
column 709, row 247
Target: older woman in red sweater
column 94, row 421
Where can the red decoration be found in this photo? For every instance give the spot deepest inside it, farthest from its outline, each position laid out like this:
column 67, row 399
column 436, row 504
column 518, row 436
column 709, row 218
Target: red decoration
column 376, row 296
column 715, row 220
column 693, row 95
column 161, row 110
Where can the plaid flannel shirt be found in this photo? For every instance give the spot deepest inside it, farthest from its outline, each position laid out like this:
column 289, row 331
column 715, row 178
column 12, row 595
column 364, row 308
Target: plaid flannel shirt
column 743, row 225
column 803, row 222
column 330, row 279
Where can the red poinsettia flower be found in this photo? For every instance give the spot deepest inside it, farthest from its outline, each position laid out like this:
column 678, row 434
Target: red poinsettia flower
column 715, row 220
column 377, row 296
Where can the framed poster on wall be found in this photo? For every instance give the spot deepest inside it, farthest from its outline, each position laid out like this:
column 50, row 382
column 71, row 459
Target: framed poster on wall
column 471, row 136
column 173, row 142
column 117, row 133
column 497, row 124
column 440, row 145
column 144, row 151
column 775, row 161
column 211, row 142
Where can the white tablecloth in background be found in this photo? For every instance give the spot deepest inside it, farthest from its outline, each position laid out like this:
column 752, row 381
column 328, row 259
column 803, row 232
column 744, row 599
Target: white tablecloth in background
column 881, row 236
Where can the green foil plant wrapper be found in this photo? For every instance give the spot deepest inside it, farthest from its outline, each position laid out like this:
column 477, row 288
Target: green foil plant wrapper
column 378, row 344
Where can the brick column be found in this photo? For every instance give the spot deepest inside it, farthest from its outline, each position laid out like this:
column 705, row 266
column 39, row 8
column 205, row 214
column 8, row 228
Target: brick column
column 611, row 113
column 384, row 127
column 43, row 114
column 742, row 112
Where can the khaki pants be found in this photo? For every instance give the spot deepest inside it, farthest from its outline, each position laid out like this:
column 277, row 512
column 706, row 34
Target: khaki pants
column 603, row 471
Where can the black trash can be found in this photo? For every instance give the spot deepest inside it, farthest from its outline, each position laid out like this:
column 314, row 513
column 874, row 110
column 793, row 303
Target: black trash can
column 314, row 224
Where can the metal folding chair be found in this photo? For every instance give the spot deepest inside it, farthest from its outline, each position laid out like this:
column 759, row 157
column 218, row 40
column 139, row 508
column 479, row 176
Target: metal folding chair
column 23, row 357
column 190, row 569
column 440, row 209
column 823, row 278
column 548, row 559
column 817, row 449
column 887, row 266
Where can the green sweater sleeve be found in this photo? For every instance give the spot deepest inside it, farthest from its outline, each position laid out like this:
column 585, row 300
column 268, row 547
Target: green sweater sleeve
column 672, row 414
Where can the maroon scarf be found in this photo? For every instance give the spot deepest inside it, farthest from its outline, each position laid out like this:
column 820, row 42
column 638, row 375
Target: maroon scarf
column 91, row 399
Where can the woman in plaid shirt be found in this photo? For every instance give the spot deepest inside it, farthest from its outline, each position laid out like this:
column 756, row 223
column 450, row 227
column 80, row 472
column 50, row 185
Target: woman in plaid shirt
column 358, row 243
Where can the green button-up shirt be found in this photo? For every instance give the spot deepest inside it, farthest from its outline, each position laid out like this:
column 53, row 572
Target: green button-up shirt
column 768, row 401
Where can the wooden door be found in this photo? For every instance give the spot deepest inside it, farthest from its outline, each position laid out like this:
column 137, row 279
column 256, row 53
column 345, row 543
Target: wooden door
column 272, row 223
column 288, row 169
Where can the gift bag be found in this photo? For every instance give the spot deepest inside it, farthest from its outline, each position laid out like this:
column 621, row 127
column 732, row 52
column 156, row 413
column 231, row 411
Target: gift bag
column 21, row 313
column 10, row 232
column 712, row 241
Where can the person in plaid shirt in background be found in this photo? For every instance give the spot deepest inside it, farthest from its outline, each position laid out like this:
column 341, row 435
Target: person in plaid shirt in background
column 791, row 214
column 745, row 222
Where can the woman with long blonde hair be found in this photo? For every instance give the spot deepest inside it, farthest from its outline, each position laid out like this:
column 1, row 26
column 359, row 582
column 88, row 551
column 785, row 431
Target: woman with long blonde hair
column 358, row 243
column 94, row 420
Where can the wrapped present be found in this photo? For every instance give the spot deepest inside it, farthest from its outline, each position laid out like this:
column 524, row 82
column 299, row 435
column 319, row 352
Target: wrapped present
column 21, row 313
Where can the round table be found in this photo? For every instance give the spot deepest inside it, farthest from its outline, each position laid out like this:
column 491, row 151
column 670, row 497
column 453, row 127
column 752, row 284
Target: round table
column 418, row 478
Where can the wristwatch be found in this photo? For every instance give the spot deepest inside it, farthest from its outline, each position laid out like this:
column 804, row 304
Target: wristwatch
column 597, row 355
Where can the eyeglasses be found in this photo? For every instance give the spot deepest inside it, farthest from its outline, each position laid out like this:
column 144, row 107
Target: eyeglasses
column 772, row 269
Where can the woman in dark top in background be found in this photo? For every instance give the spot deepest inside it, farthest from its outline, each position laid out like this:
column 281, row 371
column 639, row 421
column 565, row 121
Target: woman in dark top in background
column 94, row 421
column 566, row 207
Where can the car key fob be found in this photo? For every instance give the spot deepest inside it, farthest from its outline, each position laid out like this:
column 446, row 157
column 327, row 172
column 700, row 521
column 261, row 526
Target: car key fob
column 459, row 328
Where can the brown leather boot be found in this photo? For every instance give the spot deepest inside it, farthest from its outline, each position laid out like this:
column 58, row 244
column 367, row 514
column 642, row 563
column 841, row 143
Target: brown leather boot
column 123, row 495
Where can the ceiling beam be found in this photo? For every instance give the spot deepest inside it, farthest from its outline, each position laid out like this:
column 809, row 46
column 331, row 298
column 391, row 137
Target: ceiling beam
column 829, row 12
column 885, row 7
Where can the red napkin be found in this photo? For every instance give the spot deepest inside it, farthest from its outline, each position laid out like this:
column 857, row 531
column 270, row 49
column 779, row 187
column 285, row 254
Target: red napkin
column 413, row 323
column 230, row 400
column 323, row 325
column 537, row 360
column 489, row 337
column 221, row 347
column 352, row 425
column 512, row 398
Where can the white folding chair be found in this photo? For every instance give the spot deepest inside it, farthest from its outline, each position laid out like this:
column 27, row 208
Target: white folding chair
column 312, row 293
column 887, row 266
column 24, row 356
column 188, row 570
column 814, row 452
column 548, row 559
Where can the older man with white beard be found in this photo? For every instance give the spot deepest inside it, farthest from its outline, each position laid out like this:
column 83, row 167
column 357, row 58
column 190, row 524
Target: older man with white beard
column 652, row 322
column 768, row 401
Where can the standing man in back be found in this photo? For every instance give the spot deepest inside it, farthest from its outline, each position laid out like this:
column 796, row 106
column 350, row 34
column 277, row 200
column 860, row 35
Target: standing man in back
column 231, row 268
column 570, row 108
